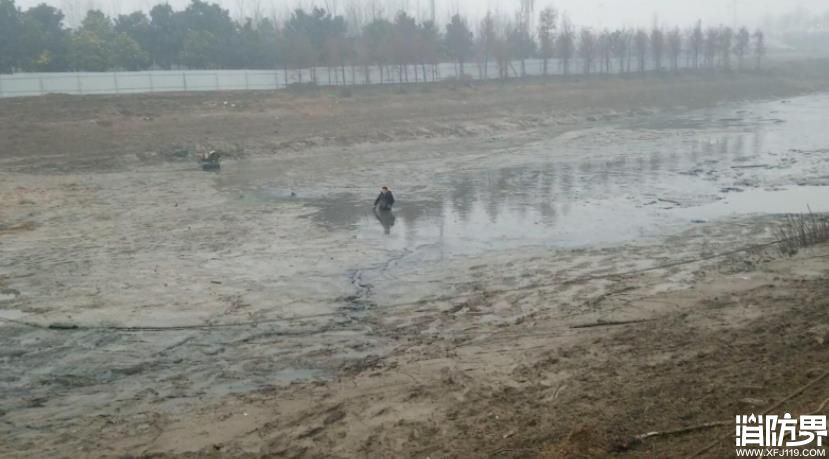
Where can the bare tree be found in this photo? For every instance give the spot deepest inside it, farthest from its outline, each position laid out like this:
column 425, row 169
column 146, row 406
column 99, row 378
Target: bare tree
column 458, row 41
column 566, row 43
column 335, row 57
column 726, row 39
column 257, row 13
column 405, row 42
column 657, row 47
column 675, row 47
column 519, row 42
column 695, row 44
column 501, row 47
column 355, row 16
column 429, row 47
column 741, row 46
column 362, row 57
column 759, row 47
column 486, row 42
column 605, row 51
column 710, row 45
column 298, row 52
column 618, row 47
column 628, row 36
column 640, row 43
column 587, row 49
column 241, row 11
column 378, row 45
column 546, row 33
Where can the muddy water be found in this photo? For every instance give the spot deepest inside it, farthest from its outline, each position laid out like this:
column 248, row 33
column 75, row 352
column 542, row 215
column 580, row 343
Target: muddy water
column 630, row 180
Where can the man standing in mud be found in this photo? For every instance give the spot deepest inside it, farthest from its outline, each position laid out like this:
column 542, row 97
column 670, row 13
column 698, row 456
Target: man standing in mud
column 385, row 200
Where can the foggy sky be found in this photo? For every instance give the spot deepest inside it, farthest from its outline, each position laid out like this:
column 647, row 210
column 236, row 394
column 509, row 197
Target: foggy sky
column 595, row 13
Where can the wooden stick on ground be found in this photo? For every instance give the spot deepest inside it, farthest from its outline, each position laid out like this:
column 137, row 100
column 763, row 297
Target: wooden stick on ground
column 683, row 430
column 611, row 323
column 821, row 407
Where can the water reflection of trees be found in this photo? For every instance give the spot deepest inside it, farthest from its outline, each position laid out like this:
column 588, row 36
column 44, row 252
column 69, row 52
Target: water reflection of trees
column 757, row 142
column 547, row 190
column 462, row 194
column 728, row 146
column 411, row 212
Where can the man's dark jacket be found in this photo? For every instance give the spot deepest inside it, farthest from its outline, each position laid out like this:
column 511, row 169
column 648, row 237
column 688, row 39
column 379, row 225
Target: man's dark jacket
column 385, row 200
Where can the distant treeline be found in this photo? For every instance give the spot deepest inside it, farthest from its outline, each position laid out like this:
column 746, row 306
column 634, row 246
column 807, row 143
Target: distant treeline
column 204, row 36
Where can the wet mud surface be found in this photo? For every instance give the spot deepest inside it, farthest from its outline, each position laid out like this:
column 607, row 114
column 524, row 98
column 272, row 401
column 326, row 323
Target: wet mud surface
column 143, row 309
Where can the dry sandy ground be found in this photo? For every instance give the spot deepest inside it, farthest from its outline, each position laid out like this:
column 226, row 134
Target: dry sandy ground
column 187, row 324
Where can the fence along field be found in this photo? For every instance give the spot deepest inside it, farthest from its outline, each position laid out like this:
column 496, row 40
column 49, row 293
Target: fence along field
column 36, row 84
column 85, row 83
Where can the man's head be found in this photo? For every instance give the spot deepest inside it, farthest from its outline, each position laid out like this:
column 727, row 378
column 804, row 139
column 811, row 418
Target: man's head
column 385, row 188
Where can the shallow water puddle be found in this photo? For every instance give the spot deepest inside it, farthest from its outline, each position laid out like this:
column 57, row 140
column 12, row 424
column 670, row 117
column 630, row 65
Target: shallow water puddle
column 787, row 200
column 602, row 185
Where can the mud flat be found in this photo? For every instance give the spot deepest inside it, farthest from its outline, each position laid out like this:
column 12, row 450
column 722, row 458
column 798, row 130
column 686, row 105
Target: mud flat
column 554, row 282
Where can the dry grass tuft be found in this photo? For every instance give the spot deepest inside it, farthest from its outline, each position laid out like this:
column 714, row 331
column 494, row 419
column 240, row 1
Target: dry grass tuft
column 802, row 230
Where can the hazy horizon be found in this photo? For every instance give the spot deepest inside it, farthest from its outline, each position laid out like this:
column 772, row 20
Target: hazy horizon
column 594, row 13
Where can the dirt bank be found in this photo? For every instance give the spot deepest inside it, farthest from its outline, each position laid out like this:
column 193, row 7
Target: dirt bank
column 94, row 132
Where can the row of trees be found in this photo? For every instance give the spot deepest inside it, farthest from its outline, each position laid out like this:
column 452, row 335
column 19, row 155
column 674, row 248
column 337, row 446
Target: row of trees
column 204, row 35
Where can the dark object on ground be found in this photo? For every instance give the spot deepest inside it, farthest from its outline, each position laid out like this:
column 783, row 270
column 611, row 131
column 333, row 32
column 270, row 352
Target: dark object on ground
column 211, row 161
